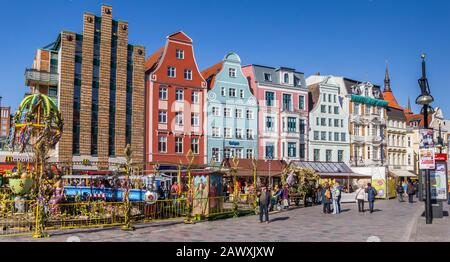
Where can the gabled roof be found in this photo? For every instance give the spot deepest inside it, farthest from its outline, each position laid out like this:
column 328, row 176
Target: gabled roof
column 210, row 73
column 418, row 117
column 153, row 60
column 390, row 98
column 180, row 36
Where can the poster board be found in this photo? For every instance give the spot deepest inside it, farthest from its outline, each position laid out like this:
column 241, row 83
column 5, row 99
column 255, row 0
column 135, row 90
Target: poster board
column 426, row 149
column 438, row 182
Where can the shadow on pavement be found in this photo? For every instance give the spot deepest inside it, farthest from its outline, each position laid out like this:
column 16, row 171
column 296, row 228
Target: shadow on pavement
column 345, row 210
column 279, row 219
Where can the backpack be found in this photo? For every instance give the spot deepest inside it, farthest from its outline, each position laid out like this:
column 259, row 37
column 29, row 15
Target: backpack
column 328, row 194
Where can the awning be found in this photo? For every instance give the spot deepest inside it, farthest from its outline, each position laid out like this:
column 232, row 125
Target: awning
column 401, row 173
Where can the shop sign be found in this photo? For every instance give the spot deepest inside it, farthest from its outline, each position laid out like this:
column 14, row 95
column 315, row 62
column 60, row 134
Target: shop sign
column 233, row 143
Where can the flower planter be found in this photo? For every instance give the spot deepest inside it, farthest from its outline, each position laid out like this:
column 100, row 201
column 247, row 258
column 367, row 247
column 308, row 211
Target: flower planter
column 20, row 186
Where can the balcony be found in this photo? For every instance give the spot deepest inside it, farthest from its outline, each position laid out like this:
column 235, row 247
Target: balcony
column 35, row 77
column 357, row 139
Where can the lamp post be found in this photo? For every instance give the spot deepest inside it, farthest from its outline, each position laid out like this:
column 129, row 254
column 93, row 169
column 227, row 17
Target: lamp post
column 425, row 99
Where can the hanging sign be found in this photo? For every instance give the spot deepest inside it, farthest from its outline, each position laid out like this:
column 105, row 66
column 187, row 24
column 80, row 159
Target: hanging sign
column 426, row 158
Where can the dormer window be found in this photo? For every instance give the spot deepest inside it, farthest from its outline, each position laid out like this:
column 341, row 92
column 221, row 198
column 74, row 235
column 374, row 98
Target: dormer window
column 366, row 92
column 286, row 78
column 180, row 54
column 267, row 77
column 232, row 72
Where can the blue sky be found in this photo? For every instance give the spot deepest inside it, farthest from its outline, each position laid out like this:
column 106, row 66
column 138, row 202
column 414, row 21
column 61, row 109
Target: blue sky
column 353, row 38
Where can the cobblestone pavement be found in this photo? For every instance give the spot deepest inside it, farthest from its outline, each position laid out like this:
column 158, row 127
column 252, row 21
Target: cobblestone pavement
column 392, row 221
column 439, row 230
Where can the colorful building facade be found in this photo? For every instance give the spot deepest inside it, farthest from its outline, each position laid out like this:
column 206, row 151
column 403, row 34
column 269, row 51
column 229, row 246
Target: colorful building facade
column 283, row 111
column 328, row 120
column 232, row 111
column 175, row 98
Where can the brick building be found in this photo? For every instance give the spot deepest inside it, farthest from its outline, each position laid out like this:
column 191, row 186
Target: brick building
column 5, row 124
column 97, row 79
column 175, row 98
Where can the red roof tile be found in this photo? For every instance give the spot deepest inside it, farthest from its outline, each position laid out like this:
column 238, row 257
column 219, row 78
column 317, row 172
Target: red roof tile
column 210, row 73
column 153, row 60
column 390, row 98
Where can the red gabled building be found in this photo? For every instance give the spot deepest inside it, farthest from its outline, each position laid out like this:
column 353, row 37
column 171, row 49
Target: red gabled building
column 175, row 95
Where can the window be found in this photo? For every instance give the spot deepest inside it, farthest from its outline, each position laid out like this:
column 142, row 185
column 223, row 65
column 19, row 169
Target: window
column 249, row 154
column 215, row 131
column 301, row 102
column 316, row 135
column 195, row 96
column 323, row 109
column 342, row 123
column 368, row 152
column 317, row 121
column 409, row 160
column 239, row 134
column 375, row 153
column 227, row 112
column 215, row 111
column 316, row 154
column 336, row 123
column 270, row 123
column 340, row 155
column 286, row 78
column 194, row 145
column 328, row 155
column 330, row 136
column 179, row 95
column 270, row 150
column 330, row 122
column 187, row 74
column 178, row 145
column 162, row 117
column 267, row 77
column 162, row 144
column 292, row 149
column 356, row 108
column 227, row 153
column 249, row 114
column 222, row 92
column 323, row 136
column 329, row 109
column 52, row 91
column 324, row 97
column 171, row 71
column 409, row 141
column 356, row 130
column 227, row 132
column 241, row 93
column 367, row 110
column 270, row 97
column 238, row 113
column 215, row 154
column 179, row 118
column 323, row 121
column 334, row 98
column 336, row 110
column 336, row 136
column 292, row 124
column 232, row 72
column 232, row 92
column 343, row 137
column 163, row 93
column 195, row 119
column 250, row 134
column 286, row 102
column 302, row 151
column 302, row 126
column 180, row 54
column 329, row 98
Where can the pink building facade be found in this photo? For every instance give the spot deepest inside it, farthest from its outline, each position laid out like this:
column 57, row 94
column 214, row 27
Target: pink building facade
column 282, row 98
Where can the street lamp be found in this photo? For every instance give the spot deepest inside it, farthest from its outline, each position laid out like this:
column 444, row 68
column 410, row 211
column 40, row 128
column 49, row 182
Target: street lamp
column 425, row 99
column 190, row 158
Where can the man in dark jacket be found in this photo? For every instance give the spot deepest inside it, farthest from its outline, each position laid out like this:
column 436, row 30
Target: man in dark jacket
column 264, row 204
column 411, row 192
column 400, row 192
column 372, row 193
column 326, row 199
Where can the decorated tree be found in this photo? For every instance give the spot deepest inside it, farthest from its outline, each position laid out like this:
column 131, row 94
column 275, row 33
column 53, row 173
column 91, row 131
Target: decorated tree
column 301, row 181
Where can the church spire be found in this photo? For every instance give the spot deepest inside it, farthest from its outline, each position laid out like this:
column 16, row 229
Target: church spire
column 409, row 104
column 387, row 80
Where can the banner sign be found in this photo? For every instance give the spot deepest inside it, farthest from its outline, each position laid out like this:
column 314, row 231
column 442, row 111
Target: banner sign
column 426, row 138
column 426, row 158
column 438, row 179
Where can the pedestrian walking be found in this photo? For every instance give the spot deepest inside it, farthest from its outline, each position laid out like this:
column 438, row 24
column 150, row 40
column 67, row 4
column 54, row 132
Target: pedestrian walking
column 336, row 192
column 411, row 192
column 326, row 198
column 372, row 193
column 405, row 186
column 360, row 196
column 339, row 197
column 319, row 196
column 264, row 204
column 400, row 192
